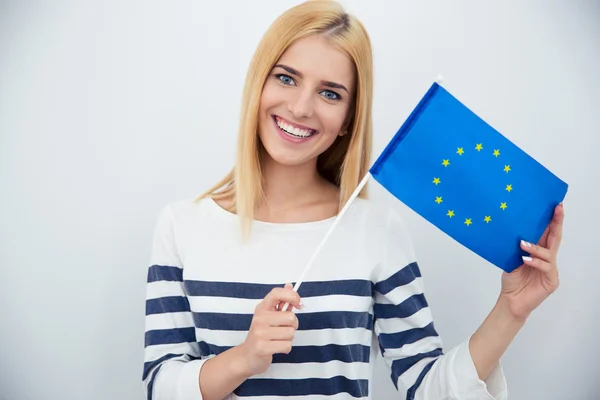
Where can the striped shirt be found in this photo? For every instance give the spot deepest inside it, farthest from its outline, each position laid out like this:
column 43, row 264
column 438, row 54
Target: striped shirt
column 363, row 295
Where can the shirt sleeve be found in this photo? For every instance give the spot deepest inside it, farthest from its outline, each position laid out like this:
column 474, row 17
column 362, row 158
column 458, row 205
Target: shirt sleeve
column 408, row 340
column 172, row 358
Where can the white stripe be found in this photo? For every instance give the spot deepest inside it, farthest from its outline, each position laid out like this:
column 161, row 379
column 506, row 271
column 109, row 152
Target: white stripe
column 400, row 293
column 419, row 319
column 317, row 370
column 320, row 337
column 409, row 378
column 155, row 352
column 420, row 346
column 230, row 305
column 158, row 289
column 169, row 321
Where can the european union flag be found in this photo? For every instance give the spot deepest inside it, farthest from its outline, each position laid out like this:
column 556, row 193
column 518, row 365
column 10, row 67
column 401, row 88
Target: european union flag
column 466, row 178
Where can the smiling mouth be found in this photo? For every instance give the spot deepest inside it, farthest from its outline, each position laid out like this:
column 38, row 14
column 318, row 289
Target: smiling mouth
column 293, row 130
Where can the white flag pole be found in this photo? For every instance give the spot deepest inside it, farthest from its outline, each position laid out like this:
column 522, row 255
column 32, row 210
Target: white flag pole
column 353, row 196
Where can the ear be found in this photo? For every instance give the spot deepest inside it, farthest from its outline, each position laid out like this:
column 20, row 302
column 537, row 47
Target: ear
column 347, row 125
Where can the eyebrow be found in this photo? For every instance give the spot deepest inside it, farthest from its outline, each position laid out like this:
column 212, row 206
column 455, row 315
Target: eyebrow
column 330, row 84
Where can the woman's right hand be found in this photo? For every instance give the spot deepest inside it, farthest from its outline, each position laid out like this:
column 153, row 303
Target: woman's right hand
column 271, row 330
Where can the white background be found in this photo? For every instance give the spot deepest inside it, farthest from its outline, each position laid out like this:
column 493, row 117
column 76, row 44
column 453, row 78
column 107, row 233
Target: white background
column 110, row 109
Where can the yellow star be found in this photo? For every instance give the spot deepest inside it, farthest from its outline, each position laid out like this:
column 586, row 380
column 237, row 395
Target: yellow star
column 450, row 213
column 479, row 147
column 487, row 218
column 507, row 168
column 438, row 200
column 496, row 153
column 503, row 206
column 460, row 151
column 509, row 188
column 468, row 221
column 436, row 181
column 445, row 163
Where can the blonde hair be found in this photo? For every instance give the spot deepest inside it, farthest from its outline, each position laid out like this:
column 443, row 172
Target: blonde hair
column 348, row 159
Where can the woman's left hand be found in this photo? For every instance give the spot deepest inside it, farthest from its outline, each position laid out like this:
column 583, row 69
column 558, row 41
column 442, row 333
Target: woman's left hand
column 525, row 288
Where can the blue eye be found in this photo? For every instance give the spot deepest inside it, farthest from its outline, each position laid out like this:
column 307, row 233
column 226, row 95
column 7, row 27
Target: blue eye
column 285, row 79
column 329, row 95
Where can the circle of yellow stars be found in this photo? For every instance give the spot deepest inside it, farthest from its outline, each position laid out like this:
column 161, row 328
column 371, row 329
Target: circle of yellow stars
column 446, row 162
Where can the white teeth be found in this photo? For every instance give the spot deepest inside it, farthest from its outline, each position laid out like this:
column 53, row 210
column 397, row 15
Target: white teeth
column 300, row 132
column 292, row 130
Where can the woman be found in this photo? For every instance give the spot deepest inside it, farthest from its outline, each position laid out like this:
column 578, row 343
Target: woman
column 215, row 327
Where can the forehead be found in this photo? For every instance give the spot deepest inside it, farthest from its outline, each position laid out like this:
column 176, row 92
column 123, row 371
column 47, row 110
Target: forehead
column 316, row 59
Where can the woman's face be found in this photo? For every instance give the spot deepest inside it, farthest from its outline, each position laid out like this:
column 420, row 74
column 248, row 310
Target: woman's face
column 305, row 101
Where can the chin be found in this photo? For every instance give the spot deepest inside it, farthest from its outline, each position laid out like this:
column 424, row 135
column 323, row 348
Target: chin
column 285, row 156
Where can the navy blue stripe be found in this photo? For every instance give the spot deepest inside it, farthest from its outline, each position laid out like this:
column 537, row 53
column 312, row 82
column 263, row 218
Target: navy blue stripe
column 151, row 383
column 405, row 276
column 322, row 354
column 403, row 310
column 412, row 392
column 306, row 354
column 151, row 364
column 351, row 287
column 303, row 387
column 167, row 305
column 222, row 322
column 165, row 273
column 170, row 336
column 399, row 339
column 335, row 320
column 207, row 349
column 400, row 366
column 308, row 321
column 255, row 291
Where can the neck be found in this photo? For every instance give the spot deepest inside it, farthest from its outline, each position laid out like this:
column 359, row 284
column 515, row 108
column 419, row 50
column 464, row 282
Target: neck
column 288, row 186
column 295, row 193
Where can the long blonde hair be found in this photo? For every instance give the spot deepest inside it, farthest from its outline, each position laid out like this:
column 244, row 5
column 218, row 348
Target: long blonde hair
column 348, row 159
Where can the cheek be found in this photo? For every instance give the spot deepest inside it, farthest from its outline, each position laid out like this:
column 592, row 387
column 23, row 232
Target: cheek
column 268, row 97
column 333, row 119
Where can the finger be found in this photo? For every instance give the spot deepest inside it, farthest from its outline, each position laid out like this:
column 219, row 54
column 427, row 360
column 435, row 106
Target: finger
column 280, row 346
column 543, row 266
column 278, row 318
column 287, row 286
column 281, row 306
column 278, row 295
column 537, row 251
column 556, row 227
column 281, row 333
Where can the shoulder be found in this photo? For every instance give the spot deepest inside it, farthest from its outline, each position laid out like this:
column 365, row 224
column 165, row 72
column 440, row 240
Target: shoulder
column 382, row 227
column 187, row 210
column 377, row 217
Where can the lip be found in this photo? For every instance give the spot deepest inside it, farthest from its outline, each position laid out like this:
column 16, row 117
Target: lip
column 288, row 137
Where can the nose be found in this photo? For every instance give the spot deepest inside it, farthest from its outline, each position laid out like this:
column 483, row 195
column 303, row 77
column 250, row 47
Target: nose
column 301, row 104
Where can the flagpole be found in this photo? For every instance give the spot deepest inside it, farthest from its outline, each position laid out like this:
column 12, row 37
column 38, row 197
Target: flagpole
column 353, row 196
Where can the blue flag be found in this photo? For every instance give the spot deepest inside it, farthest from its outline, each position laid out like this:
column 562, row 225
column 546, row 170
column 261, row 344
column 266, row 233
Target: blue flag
column 467, row 179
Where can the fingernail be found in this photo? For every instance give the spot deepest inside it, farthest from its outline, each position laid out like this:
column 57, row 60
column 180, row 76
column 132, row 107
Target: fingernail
column 526, row 244
column 525, row 258
column 301, row 305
